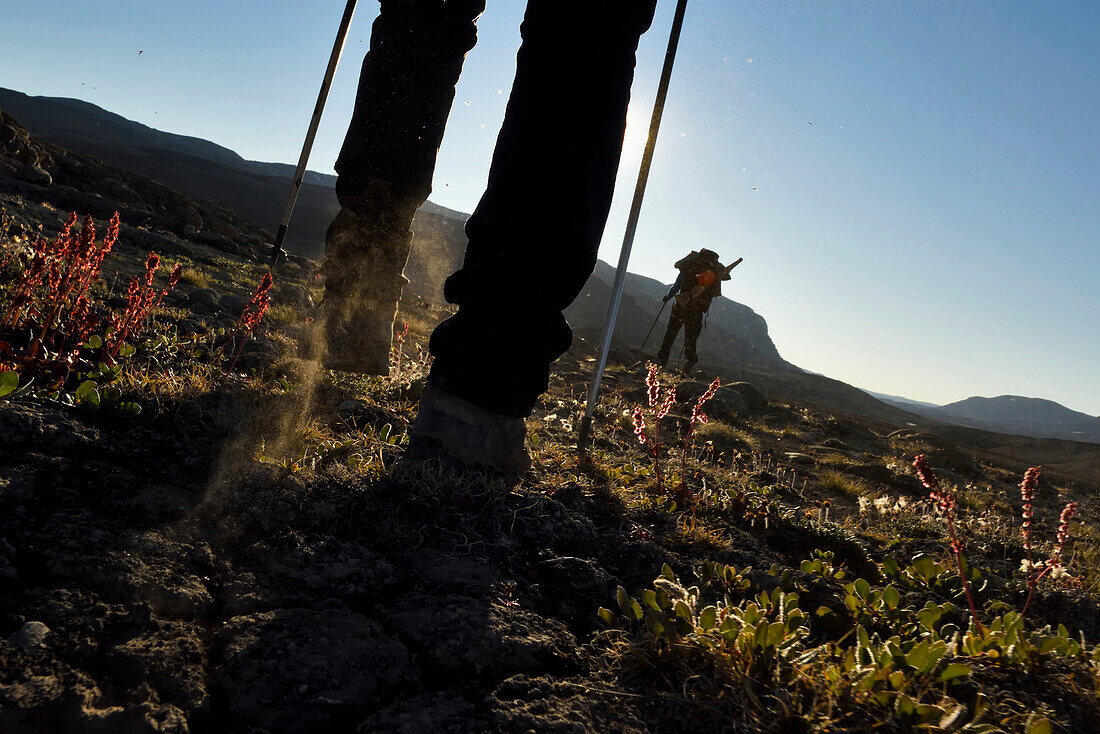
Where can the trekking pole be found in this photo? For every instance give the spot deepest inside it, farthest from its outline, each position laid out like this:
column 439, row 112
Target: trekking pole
column 632, row 224
column 651, row 328
column 322, row 97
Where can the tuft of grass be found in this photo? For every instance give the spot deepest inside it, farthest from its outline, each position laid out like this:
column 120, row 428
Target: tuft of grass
column 195, row 277
column 723, row 436
column 751, row 441
column 839, row 460
column 842, row 484
column 282, row 314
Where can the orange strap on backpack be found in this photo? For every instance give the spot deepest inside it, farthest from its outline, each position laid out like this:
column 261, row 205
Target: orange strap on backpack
column 706, row 278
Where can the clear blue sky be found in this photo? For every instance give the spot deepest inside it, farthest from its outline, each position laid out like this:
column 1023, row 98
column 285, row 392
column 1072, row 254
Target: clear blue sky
column 933, row 233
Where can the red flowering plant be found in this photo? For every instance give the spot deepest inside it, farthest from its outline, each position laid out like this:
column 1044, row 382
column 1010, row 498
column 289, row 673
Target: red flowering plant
column 1053, row 567
column 48, row 314
column 251, row 316
column 698, row 417
column 142, row 297
column 397, row 350
column 658, row 408
column 53, row 336
column 946, row 503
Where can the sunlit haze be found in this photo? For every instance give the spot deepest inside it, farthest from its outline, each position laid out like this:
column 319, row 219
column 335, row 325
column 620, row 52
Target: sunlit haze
column 913, row 186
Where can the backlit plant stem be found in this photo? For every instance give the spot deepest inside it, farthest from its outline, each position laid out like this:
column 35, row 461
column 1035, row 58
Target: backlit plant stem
column 1027, row 494
column 1056, row 557
column 697, row 416
column 659, row 409
column 251, row 316
column 946, row 502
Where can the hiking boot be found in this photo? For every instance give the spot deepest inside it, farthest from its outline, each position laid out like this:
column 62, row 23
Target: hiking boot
column 366, row 249
column 461, row 435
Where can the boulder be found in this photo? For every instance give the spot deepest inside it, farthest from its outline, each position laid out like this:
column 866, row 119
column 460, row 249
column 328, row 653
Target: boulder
column 727, row 404
column 188, row 217
column 224, row 228
column 29, row 636
column 213, row 239
column 690, row 390
column 753, row 395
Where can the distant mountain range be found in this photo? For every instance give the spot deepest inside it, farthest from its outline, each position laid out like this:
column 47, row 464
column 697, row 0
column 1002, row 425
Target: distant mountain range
column 1011, row 414
column 735, row 343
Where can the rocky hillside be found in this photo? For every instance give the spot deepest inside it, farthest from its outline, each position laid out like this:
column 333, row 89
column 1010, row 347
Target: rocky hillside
column 44, row 172
column 196, row 168
column 208, row 193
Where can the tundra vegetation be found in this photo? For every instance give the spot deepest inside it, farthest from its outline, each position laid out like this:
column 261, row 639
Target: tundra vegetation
column 703, row 567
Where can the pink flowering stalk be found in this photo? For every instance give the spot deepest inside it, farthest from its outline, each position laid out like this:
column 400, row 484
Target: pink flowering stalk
column 945, row 501
column 1063, row 534
column 50, row 299
column 396, row 350
column 251, row 316
column 1027, row 494
column 142, row 296
column 697, row 417
column 659, row 409
column 173, row 281
column 1054, row 564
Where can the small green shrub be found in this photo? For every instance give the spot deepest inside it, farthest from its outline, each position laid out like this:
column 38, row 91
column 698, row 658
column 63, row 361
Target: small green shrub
column 893, row 664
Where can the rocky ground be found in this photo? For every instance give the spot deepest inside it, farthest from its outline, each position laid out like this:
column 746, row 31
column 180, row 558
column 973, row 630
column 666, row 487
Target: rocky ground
column 242, row 557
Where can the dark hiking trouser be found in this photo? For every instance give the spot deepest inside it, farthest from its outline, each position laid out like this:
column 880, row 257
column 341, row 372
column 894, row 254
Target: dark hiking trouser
column 384, row 170
column 535, row 233
column 692, row 322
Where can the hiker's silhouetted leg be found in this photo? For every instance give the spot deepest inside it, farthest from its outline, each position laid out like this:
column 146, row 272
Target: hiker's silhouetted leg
column 674, row 323
column 693, row 325
column 385, row 169
column 535, row 233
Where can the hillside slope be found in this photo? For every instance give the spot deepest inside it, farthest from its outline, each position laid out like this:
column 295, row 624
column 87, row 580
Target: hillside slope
column 1012, row 414
column 1024, row 416
column 194, row 167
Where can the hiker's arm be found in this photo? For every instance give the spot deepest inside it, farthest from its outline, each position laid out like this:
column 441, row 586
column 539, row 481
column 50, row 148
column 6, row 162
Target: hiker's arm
column 675, row 288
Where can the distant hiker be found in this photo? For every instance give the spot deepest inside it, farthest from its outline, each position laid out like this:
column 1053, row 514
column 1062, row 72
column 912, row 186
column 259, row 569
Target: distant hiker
column 699, row 283
column 533, row 237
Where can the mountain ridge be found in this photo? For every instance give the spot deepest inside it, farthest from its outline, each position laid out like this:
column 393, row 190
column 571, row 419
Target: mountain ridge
column 1013, row 414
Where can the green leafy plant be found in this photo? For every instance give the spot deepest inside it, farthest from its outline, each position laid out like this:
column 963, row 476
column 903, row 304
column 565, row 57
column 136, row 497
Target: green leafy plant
column 897, row 664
